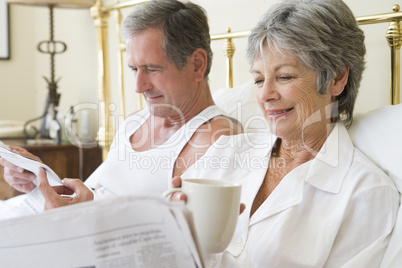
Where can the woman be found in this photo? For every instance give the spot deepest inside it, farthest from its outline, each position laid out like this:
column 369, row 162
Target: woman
column 313, row 200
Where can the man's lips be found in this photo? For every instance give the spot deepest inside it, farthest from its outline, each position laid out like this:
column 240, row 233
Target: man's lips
column 153, row 97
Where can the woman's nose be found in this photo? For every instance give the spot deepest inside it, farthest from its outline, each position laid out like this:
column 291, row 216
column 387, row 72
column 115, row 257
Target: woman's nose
column 268, row 92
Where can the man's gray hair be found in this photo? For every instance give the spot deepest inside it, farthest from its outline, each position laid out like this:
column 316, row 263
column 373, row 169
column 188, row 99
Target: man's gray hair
column 184, row 25
column 323, row 35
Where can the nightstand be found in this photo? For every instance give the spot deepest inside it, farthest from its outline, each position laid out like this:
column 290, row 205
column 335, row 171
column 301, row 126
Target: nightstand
column 63, row 158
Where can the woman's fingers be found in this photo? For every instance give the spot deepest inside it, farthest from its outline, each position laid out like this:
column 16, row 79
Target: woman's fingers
column 176, row 182
column 242, row 208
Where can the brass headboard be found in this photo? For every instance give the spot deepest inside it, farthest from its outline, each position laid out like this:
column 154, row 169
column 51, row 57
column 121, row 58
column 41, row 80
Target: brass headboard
column 101, row 14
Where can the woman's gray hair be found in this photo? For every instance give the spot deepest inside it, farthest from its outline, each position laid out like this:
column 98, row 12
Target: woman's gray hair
column 323, row 35
column 184, row 25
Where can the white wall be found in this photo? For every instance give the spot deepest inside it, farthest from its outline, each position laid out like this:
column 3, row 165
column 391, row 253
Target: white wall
column 375, row 87
column 23, row 90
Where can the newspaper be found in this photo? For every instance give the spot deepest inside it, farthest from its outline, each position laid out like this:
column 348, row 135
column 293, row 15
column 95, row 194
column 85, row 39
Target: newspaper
column 128, row 231
column 29, row 164
column 32, row 202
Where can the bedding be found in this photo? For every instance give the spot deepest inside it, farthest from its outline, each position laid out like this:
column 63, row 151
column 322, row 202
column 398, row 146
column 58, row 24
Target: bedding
column 378, row 134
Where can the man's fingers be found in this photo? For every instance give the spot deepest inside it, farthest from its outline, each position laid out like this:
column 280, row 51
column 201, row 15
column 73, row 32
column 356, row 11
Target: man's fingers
column 17, row 149
column 44, row 186
column 77, row 186
column 23, row 152
column 10, row 165
column 17, row 177
column 24, row 188
column 63, row 190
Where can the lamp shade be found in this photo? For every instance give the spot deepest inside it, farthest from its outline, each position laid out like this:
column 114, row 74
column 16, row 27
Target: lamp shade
column 56, row 3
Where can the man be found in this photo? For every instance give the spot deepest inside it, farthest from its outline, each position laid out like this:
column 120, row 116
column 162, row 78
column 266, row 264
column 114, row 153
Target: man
column 168, row 50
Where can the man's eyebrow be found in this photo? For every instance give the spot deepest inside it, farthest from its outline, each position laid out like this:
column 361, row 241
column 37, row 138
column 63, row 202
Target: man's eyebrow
column 146, row 66
column 152, row 66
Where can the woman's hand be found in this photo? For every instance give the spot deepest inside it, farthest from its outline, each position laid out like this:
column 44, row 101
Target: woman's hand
column 19, row 178
column 179, row 196
column 53, row 194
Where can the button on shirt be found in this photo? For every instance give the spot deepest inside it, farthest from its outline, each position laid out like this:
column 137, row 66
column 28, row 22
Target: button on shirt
column 337, row 210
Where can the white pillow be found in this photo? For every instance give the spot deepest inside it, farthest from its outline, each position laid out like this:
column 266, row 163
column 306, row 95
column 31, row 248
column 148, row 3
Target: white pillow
column 378, row 134
column 240, row 102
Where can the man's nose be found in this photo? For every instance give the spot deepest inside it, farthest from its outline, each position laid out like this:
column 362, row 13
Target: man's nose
column 143, row 82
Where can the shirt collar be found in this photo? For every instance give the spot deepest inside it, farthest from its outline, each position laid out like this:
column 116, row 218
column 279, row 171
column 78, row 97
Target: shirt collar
column 333, row 160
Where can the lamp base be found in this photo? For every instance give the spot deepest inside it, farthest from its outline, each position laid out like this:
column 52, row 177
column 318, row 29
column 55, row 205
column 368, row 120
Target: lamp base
column 50, row 126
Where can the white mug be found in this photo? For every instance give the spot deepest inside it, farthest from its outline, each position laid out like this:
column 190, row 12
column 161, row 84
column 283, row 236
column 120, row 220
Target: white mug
column 215, row 206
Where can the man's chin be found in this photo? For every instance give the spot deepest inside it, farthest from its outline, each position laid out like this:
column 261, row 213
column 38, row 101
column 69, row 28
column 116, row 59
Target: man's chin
column 164, row 110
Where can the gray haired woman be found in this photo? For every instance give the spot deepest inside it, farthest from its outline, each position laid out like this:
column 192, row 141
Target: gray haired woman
column 317, row 201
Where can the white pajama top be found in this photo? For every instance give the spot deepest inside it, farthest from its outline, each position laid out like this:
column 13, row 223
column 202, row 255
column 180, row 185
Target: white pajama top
column 337, row 210
column 126, row 171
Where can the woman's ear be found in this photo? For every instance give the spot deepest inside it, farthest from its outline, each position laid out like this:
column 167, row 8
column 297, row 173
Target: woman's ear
column 199, row 60
column 339, row 83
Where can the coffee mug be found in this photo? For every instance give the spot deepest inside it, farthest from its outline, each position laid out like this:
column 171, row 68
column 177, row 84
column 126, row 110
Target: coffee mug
column 215, row 206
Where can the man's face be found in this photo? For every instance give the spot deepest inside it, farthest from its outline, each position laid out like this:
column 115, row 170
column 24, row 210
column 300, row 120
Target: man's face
column 167, row 90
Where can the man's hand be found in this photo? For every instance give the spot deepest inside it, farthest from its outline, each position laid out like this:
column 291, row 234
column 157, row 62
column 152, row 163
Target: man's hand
column 19, row 178
column 179, row 196
column 53, row 196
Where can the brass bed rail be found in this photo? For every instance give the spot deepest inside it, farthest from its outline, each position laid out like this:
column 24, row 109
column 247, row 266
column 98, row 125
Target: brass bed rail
column 393, row 36
column 101, row 14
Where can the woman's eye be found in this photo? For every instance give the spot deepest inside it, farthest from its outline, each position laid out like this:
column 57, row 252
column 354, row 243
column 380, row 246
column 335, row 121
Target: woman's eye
column 285, row 78
column 259, row 82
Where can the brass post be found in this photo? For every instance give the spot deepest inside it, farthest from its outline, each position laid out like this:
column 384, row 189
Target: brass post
column 394, row 38
column 120, row 70
column 106, row 131
column 229, row 50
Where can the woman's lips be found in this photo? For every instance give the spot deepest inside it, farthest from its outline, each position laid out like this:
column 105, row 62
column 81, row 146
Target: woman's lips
column 274, row 114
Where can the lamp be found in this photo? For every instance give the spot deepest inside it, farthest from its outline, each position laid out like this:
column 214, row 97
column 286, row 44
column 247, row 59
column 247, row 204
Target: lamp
column 52, row 48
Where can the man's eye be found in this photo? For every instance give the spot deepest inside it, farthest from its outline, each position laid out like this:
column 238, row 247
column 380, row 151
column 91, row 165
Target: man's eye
column 151, row 70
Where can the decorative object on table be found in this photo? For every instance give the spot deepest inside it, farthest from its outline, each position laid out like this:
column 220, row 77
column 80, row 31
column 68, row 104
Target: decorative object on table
column 50, row 125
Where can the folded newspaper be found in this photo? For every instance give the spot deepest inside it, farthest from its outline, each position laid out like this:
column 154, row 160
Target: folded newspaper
column 127, row 231
column 28, row 203
column 28, row 164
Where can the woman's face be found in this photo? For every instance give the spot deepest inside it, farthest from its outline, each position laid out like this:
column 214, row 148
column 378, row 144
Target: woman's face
column 287, row 95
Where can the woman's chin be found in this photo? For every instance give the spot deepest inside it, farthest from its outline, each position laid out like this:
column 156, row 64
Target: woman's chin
column 285, row 132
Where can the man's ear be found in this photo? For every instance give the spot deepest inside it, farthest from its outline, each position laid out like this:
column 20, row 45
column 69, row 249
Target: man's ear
column 339, row 83
column 199, row 60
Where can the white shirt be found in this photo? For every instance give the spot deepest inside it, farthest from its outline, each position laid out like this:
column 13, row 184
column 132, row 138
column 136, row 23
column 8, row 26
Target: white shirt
column 126, row 171
column 337, row 210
